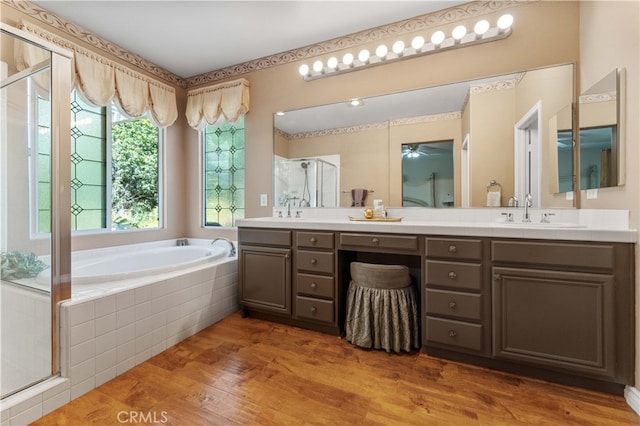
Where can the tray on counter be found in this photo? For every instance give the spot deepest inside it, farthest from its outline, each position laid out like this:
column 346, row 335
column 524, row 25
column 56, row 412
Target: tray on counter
column 375, row 219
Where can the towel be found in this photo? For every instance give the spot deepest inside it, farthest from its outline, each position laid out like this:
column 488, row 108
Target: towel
column 493, row 198
column 357, row 197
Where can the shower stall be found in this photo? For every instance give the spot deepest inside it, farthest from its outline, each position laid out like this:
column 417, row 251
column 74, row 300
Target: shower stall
column 306, row 182
column 34, row 205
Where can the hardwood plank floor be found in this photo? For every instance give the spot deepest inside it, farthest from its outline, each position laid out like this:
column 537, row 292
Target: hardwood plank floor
column 244, row 371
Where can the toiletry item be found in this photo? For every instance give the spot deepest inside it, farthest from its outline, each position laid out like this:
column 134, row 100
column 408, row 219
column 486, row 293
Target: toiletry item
column 368, row 213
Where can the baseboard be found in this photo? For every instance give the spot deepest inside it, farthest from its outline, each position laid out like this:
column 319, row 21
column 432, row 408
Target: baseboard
column 632, row 395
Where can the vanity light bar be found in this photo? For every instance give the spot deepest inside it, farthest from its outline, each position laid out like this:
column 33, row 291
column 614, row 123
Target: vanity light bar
column 482, row 32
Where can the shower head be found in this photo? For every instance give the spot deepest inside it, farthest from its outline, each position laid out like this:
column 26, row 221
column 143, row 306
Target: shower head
column 304, row 164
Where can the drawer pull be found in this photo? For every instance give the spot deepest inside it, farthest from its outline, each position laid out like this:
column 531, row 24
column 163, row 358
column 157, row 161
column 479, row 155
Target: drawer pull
column 452, row 333
column 453, row 305
column 314, row 261
column 453, row 249
column 375, row 241
column 452, row 275
column 313, row 240
column 314, row 285
column 314, row 310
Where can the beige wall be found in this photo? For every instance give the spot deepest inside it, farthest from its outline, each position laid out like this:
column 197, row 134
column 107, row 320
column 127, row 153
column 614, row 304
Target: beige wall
column 492, row 117
column 609, row 38
column 552, row 27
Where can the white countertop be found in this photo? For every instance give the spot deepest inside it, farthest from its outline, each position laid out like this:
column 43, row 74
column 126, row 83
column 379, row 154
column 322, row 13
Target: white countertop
column 576, row 225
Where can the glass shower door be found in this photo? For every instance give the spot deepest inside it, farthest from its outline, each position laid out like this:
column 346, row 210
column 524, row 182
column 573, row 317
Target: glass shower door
column 25, row 216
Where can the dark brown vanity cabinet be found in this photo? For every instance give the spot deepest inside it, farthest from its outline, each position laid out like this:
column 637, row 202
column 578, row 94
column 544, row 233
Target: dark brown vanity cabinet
column 455, row 297
column 564, row 306
column 265, row 270
column 315, row 283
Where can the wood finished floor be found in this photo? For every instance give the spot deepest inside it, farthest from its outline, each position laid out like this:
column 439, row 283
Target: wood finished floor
column 244, row 371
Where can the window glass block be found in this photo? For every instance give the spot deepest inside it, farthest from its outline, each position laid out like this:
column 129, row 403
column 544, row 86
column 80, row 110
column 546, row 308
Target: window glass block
column 90, row 219
column 90, row 172
column 91, row 148
column 224, row 173
column 44, row 221
column 44, row 140
column 91, row 197
column 44, row 196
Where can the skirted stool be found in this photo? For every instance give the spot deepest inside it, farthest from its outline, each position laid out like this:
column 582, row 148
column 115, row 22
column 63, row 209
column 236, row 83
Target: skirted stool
column 382, row 311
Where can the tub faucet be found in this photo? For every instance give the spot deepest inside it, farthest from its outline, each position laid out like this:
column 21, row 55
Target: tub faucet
column 232, row 251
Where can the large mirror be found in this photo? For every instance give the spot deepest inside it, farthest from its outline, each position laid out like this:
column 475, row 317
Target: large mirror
column 601, row 150
column 493, row 131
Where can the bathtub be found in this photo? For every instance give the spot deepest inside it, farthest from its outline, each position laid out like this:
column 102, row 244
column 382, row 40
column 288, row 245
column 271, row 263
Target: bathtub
column 132, row 302
column 138, row 263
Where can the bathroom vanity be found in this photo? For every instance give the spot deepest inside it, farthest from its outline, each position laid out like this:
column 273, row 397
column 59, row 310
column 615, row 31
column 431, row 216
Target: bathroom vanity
column 554, row 302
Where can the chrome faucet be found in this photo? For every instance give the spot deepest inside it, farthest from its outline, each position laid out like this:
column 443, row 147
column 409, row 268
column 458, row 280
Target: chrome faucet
column 232, row 252
column 527, row 203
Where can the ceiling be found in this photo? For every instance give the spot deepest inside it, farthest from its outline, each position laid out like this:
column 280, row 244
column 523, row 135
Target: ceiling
column 378, row 109
column 189, row 38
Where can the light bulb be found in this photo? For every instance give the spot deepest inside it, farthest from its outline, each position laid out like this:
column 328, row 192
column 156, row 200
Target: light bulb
column 481, row 27
column 332, row 62
column 382, row 51
column 505, row 21
column 347, row 59
column 437, row 38
column 356, row 102
column 363, row 56
column 318, row 66
column 398, row 47
column 417, row 42
column 303, row 70
column 459, row 32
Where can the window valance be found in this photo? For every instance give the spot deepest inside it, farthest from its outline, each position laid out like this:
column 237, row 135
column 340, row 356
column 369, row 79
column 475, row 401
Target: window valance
column 208, row 104
column 101, row 80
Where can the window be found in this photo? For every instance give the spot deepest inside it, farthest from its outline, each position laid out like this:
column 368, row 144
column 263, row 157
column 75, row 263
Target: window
column 223, row 173
column 115, row 173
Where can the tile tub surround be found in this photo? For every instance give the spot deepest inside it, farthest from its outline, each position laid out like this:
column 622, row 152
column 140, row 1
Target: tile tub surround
column 582, row 224
column 108, row 328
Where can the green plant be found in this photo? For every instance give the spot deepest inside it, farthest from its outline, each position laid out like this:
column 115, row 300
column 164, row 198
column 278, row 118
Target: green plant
column 15, row 265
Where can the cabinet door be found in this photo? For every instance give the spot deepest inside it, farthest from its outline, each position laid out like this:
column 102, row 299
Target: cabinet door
column 563, row 320
column 265, row 279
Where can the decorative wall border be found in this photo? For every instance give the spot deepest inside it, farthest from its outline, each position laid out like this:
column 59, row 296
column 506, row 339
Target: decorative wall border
column 373, row 126
column 598, row 97
column 442, row 17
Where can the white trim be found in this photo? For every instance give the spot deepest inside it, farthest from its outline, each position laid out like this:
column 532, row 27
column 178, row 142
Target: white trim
column 531, row 121
column 464, row 170
column 632, row 396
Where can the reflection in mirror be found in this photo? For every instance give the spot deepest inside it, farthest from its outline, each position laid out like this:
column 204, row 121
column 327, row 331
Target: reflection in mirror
column 600, row 149
column 478, row 117
column 427, row 174
column 307, row 182
column 562, row 123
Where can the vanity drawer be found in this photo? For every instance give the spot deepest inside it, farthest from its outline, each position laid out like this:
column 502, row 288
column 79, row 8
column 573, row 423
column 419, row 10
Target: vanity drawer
column 264, row 237
column 454, row 333
column 399, row 242
column 454, row 304
column 594, row 256
column 316, row 309
column 454, row 274
column 453, row 248
column 315, row 239
column 315, row 261
column 315, row 285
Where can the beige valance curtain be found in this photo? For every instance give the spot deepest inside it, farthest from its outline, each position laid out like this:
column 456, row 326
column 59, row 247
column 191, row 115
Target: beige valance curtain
column 207, row 104
column 102, row 80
